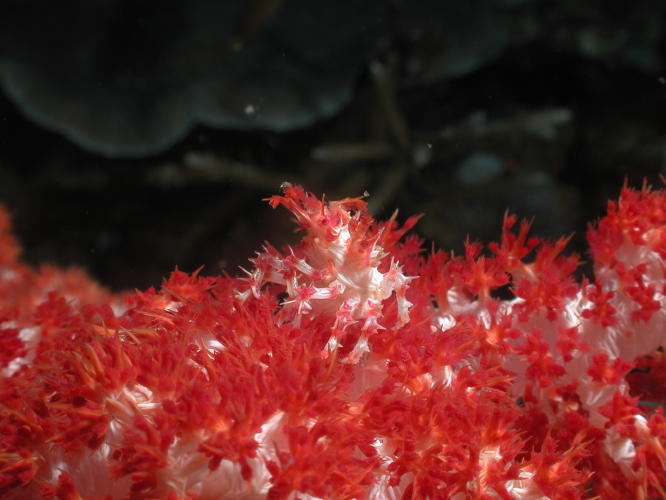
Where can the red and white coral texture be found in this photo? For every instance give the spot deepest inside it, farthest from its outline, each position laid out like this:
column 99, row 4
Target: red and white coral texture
column 352, row 365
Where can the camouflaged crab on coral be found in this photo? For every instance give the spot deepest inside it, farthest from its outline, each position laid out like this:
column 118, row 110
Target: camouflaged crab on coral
column 354, row 364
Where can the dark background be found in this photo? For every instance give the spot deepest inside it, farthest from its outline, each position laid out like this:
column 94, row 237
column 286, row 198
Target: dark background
column 135, row 137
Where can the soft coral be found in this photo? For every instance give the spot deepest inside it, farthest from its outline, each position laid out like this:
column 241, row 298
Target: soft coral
column 350, row 365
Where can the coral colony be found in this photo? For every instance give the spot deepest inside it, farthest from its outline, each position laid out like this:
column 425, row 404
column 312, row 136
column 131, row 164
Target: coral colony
column 356, row 364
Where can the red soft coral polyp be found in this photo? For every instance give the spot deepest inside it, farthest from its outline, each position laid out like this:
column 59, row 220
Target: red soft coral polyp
column 350, row 365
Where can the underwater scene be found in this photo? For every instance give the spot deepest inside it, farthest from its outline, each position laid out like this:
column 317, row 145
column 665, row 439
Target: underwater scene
column 286, row 249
